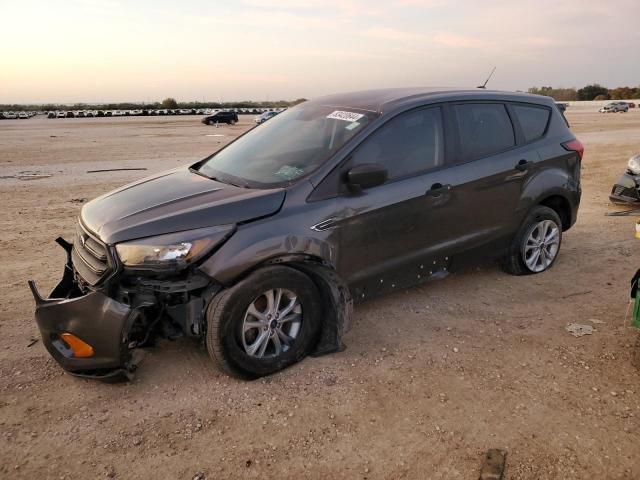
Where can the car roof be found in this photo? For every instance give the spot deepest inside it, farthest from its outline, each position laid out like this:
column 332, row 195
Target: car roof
column 384, row 100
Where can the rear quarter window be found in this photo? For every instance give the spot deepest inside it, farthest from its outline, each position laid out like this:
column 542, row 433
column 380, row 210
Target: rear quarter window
column 533, row 120
column 484, row 129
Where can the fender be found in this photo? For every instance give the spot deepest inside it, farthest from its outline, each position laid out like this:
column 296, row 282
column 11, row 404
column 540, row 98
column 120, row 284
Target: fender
column 242, row 253
column 548, row 183
column 334, row 292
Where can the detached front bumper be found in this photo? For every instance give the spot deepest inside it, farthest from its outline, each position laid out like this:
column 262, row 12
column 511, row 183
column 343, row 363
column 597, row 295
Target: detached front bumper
column 99, row 322
column 625, row 190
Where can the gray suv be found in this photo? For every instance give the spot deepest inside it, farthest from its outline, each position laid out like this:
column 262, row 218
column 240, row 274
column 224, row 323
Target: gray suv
column 262, row 248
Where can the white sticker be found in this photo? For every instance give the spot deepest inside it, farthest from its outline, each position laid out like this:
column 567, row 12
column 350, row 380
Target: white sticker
column 353, row 125
column 346, row 116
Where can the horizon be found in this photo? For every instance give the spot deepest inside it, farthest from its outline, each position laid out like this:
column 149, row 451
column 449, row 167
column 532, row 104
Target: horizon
column 89, row 51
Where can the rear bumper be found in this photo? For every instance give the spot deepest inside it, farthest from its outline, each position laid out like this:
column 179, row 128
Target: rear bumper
column 94, row 318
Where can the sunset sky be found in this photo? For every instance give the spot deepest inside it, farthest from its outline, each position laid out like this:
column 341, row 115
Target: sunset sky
column 146, row 50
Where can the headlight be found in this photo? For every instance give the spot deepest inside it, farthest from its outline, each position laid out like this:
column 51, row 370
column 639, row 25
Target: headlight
column 174, row 250
column 634, row 165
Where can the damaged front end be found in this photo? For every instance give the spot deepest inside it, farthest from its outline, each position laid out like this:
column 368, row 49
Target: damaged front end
column 99, row 313
column 626, row 189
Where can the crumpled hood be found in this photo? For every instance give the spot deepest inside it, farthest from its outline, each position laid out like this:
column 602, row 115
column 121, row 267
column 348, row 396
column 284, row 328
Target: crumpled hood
column 174, row 201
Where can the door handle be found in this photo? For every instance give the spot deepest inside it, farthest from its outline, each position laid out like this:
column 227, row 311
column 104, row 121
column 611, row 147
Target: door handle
column 523, row 165
column 437, row 189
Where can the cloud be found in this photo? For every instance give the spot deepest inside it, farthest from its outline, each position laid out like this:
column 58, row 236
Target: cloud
column 393, row 34
column 452, row 40
column 334, row 8
column 458, row 41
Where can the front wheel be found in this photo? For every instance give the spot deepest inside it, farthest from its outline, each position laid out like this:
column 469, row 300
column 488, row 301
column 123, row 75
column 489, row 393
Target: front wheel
column 264, row 323
column 535, row 247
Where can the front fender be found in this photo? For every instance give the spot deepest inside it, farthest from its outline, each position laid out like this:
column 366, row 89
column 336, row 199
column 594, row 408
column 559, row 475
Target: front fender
column 314, row 254
column 242, row 253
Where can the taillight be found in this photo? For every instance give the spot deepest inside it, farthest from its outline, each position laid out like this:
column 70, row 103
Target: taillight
column 574, row 145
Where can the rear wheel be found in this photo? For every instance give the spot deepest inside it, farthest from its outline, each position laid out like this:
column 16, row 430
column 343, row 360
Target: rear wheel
column 535, row 247
column 264, row 323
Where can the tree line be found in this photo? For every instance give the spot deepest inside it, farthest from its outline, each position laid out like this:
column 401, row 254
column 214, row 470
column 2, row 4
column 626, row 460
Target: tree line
column 589, row 92
column 167, row 103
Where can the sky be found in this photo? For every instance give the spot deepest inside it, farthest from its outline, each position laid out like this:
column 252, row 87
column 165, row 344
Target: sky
column 146, row 50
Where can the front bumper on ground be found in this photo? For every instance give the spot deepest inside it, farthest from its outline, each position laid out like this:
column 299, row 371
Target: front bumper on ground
column 94, row 318
column 625, row 190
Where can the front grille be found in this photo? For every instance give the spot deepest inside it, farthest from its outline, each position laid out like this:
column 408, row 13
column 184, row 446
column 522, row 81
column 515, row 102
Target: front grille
column 620, row 191
column 89, row 256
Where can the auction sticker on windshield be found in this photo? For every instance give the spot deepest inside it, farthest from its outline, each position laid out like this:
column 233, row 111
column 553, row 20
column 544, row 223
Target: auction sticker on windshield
column 346, row 116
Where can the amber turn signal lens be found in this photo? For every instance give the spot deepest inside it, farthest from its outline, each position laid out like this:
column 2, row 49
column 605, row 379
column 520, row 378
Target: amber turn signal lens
column 80, row 349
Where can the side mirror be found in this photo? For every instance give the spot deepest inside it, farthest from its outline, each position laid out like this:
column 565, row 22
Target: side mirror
column 366, row 175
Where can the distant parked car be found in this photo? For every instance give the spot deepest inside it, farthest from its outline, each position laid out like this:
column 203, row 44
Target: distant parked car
column 10, row 115
column 230, row 118
column 23, row 115
column 61, row 114
column 631, row 104
column 69, row 114
column 615, row 107
column 51, row 115
column 265, row 116
column 80, row 114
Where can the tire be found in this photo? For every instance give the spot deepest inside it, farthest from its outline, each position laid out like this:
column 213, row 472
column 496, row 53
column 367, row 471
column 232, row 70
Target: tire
column 516, row 261
column 228, row 343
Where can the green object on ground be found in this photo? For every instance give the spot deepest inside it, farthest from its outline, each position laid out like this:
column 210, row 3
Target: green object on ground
column 635, row 320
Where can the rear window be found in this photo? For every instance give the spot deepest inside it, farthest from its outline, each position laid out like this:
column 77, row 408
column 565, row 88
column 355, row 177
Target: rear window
column 485, row 129
column 533, row 121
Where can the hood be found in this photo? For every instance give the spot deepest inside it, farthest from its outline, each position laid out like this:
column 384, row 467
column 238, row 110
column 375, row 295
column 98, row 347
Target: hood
column 174, row 201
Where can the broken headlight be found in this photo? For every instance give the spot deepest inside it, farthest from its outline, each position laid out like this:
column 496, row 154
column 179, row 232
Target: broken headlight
column 634, row 165
column 173, row 250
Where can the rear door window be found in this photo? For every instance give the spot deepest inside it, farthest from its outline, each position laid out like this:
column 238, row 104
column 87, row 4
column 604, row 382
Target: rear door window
column 408, row 144
column 533, row 120
column 484, row 129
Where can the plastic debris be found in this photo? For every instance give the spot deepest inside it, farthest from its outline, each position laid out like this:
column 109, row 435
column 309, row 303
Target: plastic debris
column 578, row 330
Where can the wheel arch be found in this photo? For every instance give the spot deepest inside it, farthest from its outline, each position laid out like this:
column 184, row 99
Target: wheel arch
column 561, row 205
column 335, row 296
column 553, row 188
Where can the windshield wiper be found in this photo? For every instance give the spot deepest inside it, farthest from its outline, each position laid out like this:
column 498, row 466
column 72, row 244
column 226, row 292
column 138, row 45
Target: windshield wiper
column 235, row 183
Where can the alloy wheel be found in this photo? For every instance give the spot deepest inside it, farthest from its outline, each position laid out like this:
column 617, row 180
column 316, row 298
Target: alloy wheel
column 541, row 245
column 271, row 323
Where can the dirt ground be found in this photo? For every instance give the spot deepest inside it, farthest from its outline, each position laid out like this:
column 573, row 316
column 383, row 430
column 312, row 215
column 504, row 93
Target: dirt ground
column 431, row 377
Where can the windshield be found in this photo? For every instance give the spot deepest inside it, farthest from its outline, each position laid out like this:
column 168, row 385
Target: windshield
column 290, row 145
